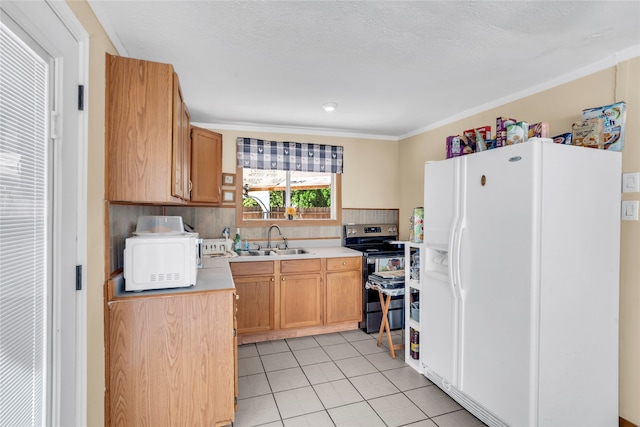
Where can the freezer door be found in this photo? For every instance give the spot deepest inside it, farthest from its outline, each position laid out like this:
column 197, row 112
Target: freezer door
column 438, row 323
column 438, row 299
column 439, row 201
column 498, row 251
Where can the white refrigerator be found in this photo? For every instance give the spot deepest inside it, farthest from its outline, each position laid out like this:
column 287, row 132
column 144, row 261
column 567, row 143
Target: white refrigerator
column 519, row 297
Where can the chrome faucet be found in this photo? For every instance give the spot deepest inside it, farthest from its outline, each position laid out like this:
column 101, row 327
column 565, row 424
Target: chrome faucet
column 269, row 234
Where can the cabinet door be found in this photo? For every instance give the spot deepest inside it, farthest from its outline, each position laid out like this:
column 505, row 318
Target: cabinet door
column 344, row 297
column 139, row 130
column 163, row 349
column 300, row 300
column 181, row 145
column 255, row 303
column 206, row 165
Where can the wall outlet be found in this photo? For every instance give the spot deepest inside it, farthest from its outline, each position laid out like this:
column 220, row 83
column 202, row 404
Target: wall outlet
column 216, row 246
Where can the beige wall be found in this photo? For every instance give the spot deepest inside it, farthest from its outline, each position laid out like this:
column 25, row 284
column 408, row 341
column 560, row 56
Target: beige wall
column 383, row 174
column 560, row 106
column 367, row 162
column 99, row 44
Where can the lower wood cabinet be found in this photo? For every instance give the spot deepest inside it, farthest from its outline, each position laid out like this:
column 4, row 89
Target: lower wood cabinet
column 172, row 360
column 300, row 300
column 343, row 290
column 255, row 286
column 287, row 295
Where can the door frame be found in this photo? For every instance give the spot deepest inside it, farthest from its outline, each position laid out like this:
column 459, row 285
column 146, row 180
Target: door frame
column 20, row 12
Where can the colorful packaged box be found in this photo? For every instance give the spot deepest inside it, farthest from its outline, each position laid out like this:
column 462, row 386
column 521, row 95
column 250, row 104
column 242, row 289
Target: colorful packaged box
column 517, row 132
column 613, row 117
column 458, row 146
column 539, row 130
column 485, row 131
column 472, row 136
column 589, row 133
column 563, row 138
column 501, row 131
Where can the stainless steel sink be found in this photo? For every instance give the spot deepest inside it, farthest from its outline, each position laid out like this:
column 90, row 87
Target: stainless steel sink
column 266, row 252
column 256, row 252
column 289, row 252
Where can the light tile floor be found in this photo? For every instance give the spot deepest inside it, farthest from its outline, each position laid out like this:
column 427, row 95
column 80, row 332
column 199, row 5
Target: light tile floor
column 339, row 379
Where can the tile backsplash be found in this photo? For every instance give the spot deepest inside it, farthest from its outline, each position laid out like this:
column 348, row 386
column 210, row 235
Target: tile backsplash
column 210, row 222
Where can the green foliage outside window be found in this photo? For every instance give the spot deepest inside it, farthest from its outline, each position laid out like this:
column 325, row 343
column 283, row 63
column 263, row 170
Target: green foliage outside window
column 319, row 198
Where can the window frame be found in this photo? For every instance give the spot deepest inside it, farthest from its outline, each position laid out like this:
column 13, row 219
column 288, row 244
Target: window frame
column 241, row 222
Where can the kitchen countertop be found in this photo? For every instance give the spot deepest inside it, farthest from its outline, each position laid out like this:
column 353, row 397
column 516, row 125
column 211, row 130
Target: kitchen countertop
column 312, row 252
column 215, row 274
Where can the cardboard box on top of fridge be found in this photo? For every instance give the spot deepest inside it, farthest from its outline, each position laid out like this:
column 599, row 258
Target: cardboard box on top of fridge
column 589, row 133
column 563, row 138
column 501, row 131
column 478, row 137
column 458, row 146
column 539, row 130
column 517, row 132
column 613, row 117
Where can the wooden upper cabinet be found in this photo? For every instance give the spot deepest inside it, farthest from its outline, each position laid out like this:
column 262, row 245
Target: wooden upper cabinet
column 206, row 165
column 145, row 125
column 181, row 157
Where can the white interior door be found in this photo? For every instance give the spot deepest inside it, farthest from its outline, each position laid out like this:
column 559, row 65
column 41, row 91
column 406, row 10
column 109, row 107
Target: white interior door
column 55, row 225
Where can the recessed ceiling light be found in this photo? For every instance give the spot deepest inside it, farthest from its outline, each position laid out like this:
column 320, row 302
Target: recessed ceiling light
column 329, row 106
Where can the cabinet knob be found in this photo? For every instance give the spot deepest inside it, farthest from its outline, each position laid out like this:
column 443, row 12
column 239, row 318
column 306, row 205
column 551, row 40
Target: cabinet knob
column 237, row 297
column 273, row 279
column 344, row 263
column 283, row 279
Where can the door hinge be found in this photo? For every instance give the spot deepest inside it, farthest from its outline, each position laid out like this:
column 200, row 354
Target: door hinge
column 80, row 97
column 78, row 277
column 234, row 332
column 235, row 400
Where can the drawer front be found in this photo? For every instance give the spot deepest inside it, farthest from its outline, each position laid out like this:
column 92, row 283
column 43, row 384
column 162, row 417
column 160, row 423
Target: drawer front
column 256, row 268
column 343, row 264
column 299, row 265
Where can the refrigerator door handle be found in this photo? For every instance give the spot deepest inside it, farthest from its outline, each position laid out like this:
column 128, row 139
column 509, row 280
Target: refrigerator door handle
column 457, row 250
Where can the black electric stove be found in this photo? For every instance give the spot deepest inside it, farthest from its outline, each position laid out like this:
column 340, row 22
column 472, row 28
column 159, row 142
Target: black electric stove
column 381, row 251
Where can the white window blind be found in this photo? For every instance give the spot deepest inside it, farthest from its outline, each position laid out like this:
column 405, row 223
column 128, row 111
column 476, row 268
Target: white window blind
column 23, row 233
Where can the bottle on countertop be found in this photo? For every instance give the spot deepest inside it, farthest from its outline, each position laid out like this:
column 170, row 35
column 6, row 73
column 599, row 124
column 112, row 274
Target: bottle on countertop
column 238, row 242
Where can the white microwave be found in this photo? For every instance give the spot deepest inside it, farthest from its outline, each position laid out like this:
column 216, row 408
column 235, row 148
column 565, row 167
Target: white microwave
column 159, row 261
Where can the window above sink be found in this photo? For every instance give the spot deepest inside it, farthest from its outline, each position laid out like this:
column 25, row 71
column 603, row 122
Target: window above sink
column 287, row 183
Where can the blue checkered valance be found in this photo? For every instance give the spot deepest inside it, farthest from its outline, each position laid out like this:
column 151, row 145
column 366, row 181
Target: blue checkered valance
column 289, row 156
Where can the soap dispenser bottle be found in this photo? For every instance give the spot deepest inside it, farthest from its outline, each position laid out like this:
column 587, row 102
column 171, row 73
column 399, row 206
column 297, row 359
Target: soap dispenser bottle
column 238, row 241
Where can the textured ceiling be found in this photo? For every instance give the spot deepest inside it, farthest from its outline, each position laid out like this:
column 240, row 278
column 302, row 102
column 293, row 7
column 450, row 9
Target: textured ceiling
column 393, row 67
